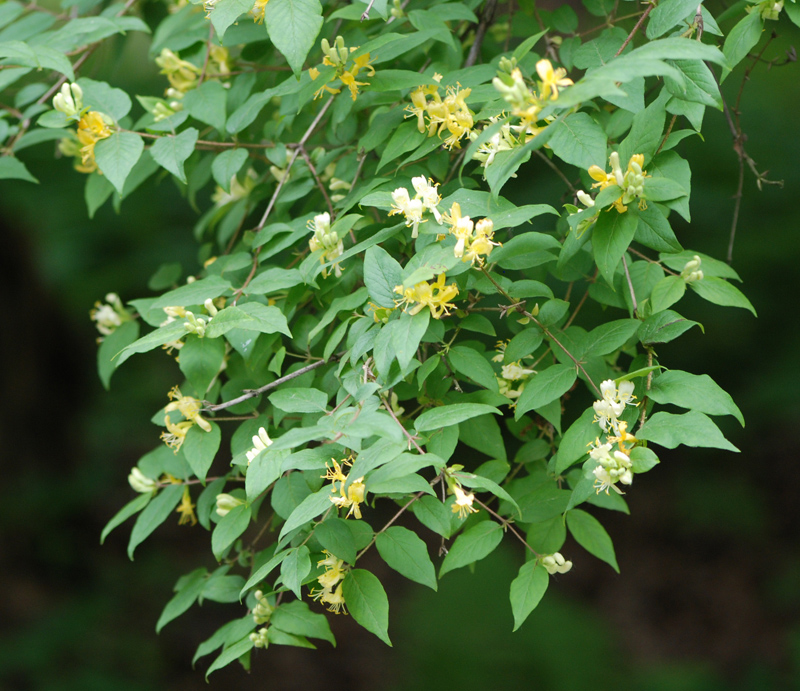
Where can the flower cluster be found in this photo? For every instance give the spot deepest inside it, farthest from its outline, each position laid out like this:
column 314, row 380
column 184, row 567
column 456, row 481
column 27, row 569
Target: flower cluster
column 503, row 140
column 463, row 500
column 263, row 609
column 109, row 315
column 139, row 482
column 331, row 581
column 472, row 239
column 92, row 127
column 69, row 100
column 186, row 509
column 438, row 114
column 555, row 563
column 692, row 271
column 258, row 11
column 326, row 240
column 510, row 374
column 190, row 409
column 631, row 182
column 350, row 498
column 436, row 296
column 261, row 441
column 427, row 198
column 613, row 466
column 337, row 56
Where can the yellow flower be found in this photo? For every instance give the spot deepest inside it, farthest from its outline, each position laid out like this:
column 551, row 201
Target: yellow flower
column 92, row 127
column 436, row 296
column 349, row 78
column 258, row 11
column 335, row 571
column 186, row 509
column 551, row 79
column 463, row 503
column 188, row 407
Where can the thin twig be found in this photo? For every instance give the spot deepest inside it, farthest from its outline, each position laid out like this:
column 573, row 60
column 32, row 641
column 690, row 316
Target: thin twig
column 208, row 54
column 506, row 523
column 487, row 16
column 252, row 393
column 625, row 43
column 320, row 185
column 630, row 285
column 411, row 440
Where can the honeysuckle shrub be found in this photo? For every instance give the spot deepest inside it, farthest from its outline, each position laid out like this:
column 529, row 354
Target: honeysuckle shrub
column 367, row 305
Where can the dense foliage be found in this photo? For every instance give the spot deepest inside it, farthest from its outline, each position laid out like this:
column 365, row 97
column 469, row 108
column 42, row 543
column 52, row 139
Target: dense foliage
column 366, row 299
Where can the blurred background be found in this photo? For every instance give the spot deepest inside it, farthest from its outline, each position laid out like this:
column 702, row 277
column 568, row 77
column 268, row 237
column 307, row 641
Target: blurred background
column 709, row 593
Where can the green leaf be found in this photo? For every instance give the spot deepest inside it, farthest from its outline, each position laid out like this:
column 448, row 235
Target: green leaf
column 643, row 459
column 224, row 167
column 264, row 469
column 742, row 39
column 667, row 292
column 293, row 26
column 483, row 433
column 472, row 364
column 575, row 442
column 296, row 400
column 447, row 415
column 667, row 14
column 13, row 169
column 654, row 231
column 226, row 12
column 334, row 536
column 200, row 448
column 694, row 392
column 154, row 514
column 381, row 274
column 527, row 590
column 524, row 343
column 346, row 303
column 545, row 387
column 265, row 570
column 407, row 554
column 433, row 515
column 131, row 508
column 171, row 152
column 311, row 507
column 690, row 429
column 296, row 618
column 792, row 10
column 472, row 545
column 201, row 360
column 102, row 97
column 720, row 292
column 229, row 529
column 117, row 155
column 612, row 235
column 547, row 537
column 37, row 56
column 580, row 141
column 367, row 602
column 699, row 85
column 664, row 327
column 592, row 536
column 195, row 293
column 206, row 103
column 474, row 481
column 229, row 654
column 610, row 336
column 295, row 568
column 231, row 632
column 407, row 332
column 544, row 502
column 405, row 138
column 192, row 586
column 658, row 189
column 675, row 48
column 527, row 250
column 125, row 334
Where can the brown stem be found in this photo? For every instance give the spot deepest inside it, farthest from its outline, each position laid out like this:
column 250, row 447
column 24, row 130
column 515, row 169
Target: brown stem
column 321, row 186
column 507, row 524
column 644, row 16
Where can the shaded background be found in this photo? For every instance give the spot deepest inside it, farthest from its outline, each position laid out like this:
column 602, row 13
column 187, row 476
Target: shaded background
column 709, row 593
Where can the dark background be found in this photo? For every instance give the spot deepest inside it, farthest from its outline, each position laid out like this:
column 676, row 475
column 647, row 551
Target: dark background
column 709, row 593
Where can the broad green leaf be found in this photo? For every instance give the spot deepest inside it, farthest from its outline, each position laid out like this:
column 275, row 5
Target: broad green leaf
column 201, row 361
column 474, row 481
column 407, row 554
column 293, row 26
column 117, row 155
column 666, row 293
column 171, row 152
column 433, row 515
column 612, row 235
column 699, row 85
column 130, row 509
column 265, row 569
column 186, row 596
column 104, row 98
column 274, row 280
column 654, row 231
column 206, row 103
column 547, row 537
column 195, row 293
column 720, row 292
column 229, row 654
column 231, row 632
column 543, row 502
column 266, row 318
column 690, row 429
column 610, row 336
column 664, row 327
column 405, row 138
column 404, row 484
column 346, row 303
column 311, row 507
column 334, row 536
column 229, row 529
column 443, row 416
column 483, row 433
column 381, row 452
column 646, row 131
column 675, row 48
column 406, row 335
column 226, row 12
column 200, row 448
column 381, row 274
column 643, row 459
column 13, row 169
column 37, row 56
column 295, row 568
column 667, row 14
column 527, row 590
column 296, row 400
column 710, row 266
column 523, row 344
column 592, row 536
column 472, row 364
column 367, row 602
column 545, row 387
column 224, row 167
column 123, row 336
column 165, row 334
column 742, row 39
column 579, row 141
column 472, row 545
column 263, row 470
column 527, row 250
column 695, row 392
column 658, row 189
column 153, row 515
column 296, row 618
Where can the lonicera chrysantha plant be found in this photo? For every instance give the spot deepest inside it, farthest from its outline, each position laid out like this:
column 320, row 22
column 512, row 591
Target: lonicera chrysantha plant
column 367, row 305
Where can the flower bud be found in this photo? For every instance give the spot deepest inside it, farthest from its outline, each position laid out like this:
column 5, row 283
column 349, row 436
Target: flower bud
column 140, row 482
column 226, row 503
